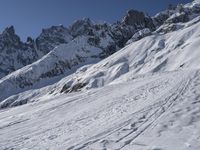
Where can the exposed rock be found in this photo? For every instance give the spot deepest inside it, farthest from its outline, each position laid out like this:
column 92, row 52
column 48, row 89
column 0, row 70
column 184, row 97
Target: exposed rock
column 137, row 19
column 14, row 54
column 52, row 37
column 82, row 27
column 178, row 17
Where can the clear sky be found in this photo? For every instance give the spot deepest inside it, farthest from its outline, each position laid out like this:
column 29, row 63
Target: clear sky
column 30, row 16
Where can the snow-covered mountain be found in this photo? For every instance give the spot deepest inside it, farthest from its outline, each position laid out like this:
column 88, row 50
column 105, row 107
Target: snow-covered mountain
column 16, row 54
column 130, row 85
column 61, row 50
column 87, row 43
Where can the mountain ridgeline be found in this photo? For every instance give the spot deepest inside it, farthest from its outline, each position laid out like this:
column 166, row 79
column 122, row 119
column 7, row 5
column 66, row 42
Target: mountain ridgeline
column 15, row 54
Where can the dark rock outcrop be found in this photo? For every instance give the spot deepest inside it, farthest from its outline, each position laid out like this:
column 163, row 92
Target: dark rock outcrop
column 14, row 54
column 52, row 37
column 138, row 20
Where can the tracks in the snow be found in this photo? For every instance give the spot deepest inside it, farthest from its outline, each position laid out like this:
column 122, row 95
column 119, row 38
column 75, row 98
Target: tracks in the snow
column 125, row 133
column 159, row 110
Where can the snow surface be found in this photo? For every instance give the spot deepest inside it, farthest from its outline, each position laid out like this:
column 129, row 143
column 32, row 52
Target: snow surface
column 146, row 96
column 154, row 112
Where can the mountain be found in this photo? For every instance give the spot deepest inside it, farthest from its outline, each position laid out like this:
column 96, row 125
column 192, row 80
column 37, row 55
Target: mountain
column 85, row 42
column 16, row 54
column 133, row 84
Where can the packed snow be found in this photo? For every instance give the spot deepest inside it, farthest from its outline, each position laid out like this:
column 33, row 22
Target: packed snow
column 154, row 112
column 145, row 96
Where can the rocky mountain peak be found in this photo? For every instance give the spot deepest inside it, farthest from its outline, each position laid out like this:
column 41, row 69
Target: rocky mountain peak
column 9, row 30
column 138, row 20
column 29, row 40
column 133, row 17
column 51, row 37
column 81, row 27
column 8, row 39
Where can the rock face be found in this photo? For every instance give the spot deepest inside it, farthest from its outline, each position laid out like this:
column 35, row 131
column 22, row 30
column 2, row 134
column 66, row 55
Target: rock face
column 138, row 19
column 175, row 15
column 83, row 27
column 134, row 17
column 51, row 37
column 14, row 54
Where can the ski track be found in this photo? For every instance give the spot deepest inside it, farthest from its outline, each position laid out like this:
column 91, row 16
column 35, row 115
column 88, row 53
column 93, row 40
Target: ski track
column 150, row 115
column 90, row 120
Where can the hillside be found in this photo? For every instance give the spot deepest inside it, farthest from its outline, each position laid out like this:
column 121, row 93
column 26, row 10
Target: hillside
column 101, row 89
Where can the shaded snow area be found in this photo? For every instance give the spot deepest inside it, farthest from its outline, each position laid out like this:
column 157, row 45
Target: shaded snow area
column 155, row 112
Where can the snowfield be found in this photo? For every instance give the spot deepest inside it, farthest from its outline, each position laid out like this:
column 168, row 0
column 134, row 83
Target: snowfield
column 145, row 96
column 155, row 112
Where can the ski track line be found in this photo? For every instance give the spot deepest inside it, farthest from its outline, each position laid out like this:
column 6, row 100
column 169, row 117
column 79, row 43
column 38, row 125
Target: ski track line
column 163, row 108
column 159, row 108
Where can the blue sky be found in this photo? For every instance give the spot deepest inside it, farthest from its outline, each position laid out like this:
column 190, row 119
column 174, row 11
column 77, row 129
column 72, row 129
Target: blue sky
column 30, row 16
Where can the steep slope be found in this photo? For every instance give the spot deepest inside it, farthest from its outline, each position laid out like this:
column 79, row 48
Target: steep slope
column 61, row 60
column 14, row 54
column 52, row 37
column 156, row 53
column 85, row 42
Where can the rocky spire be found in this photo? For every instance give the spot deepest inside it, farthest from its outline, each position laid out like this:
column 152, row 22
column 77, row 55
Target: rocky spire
column 138, row 19
column 133, row 17
column 9, row 30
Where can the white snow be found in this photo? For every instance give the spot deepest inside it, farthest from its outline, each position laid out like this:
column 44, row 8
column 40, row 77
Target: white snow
column 156, row 53
column 146, row 96
column 153, row 112
column 138, row 35
column 64, row 55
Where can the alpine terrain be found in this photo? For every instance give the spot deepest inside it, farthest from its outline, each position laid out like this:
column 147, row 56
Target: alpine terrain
column 130, row 85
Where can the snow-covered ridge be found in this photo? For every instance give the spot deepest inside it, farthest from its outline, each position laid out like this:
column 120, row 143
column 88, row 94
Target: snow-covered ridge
column 156, row 53
column 60, row 60
column 60, row 50
column 15, row 54
column 152, row 54
column 92, row 42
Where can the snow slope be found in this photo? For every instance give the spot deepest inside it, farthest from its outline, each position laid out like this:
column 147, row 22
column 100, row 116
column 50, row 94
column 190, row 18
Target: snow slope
column 61, row 60
column 154, row 112
column 144, row 97
column 90, row 42
column 155, row 53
